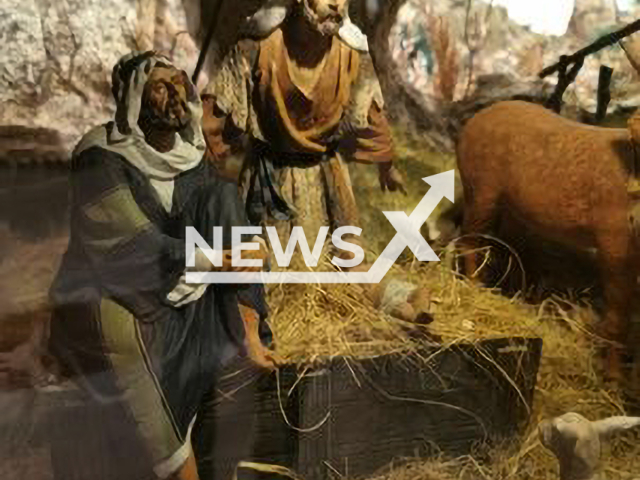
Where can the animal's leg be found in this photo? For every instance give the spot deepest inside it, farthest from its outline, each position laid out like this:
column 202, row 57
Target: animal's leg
column 617, row 276
column 615, row 324
column 479, row 212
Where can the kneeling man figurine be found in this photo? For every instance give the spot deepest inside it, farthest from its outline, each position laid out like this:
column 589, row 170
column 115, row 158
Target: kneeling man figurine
column 126, row 323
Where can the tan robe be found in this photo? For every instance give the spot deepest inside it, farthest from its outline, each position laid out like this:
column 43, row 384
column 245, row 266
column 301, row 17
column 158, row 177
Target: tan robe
column 296, row 109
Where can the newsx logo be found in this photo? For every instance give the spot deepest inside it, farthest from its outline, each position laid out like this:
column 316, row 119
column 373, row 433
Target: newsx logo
column 407, row 235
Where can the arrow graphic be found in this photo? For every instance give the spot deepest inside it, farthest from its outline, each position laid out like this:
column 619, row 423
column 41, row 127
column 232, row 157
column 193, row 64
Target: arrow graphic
column 408, row 235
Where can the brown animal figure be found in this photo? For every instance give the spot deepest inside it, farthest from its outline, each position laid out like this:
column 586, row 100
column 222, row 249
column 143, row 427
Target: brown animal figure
column 566, row 182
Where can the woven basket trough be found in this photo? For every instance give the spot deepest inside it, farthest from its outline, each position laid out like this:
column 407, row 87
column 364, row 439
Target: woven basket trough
column 352, row 418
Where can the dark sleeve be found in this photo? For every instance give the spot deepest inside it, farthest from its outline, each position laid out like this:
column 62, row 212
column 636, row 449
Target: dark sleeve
column 367, row 132
column 127, row 253
column 219, row 204
column 373, row 144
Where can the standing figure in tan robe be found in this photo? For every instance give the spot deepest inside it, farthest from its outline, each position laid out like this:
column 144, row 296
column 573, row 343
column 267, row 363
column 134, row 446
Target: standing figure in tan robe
column 310, row 103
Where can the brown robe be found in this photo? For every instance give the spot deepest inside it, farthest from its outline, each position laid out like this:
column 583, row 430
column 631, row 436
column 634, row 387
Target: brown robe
column 298, row 109
column 303, row 110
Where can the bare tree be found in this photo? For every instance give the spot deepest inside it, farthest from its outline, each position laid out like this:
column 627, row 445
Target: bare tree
column 446, row 53
column 404, row 103
column 146, row 24
column 476, row 29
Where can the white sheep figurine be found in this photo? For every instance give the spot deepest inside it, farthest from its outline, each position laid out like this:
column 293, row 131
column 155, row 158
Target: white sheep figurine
column 576, row 442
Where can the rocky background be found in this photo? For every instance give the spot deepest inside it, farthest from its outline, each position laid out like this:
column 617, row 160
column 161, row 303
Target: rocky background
column 507, row 55
column 57, row 57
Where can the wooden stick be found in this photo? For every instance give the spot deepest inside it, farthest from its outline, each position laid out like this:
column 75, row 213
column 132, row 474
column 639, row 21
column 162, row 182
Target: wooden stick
column 564, row 80
column 207, row 42
column 604, row 92
column 603, row 42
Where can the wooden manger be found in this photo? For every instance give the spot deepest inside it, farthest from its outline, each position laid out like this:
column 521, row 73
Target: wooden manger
column 352, row 418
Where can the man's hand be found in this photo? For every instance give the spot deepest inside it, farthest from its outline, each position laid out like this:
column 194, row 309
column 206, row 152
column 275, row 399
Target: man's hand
column 256, row 351
column 263, row 356
column 202, row 263
column 390, row 178
column 213, row 122
column 261, row 254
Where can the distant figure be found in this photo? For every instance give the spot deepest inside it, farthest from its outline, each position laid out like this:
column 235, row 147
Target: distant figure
column 421, row 45
column 127, row 326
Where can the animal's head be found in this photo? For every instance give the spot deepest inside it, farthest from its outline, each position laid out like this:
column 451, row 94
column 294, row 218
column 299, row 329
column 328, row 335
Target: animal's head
column 165, row 97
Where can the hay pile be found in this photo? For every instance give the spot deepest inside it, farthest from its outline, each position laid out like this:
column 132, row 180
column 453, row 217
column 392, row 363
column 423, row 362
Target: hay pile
column 316, row 322
column 313, row 323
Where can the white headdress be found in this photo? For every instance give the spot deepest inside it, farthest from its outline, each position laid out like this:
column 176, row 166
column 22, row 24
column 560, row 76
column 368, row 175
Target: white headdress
column 124, row 136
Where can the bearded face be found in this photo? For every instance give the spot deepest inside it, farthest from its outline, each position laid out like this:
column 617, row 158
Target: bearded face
column 165, row 97
column 326, row 15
